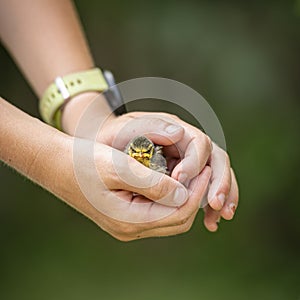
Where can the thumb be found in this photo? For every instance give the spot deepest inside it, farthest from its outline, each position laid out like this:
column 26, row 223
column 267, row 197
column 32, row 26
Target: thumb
column 135, row 177
column 166, row 191
column 159, row 129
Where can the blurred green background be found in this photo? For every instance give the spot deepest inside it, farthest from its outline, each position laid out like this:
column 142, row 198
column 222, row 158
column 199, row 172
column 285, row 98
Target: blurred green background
column 243, row 57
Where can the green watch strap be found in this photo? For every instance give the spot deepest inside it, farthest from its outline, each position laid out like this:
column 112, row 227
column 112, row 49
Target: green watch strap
column 64, row 88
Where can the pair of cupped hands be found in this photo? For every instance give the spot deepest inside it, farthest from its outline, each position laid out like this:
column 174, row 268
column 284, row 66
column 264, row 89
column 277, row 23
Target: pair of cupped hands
column 130, row 201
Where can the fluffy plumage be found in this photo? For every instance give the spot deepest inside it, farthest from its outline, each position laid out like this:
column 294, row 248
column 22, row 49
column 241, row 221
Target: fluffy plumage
column 144, row 151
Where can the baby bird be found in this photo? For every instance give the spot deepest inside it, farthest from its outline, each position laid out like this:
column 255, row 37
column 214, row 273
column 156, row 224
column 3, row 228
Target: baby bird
column 144, row 151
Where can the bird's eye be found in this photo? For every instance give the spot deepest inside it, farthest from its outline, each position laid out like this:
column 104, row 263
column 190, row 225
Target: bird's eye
column 147, row 150
column 134, row 149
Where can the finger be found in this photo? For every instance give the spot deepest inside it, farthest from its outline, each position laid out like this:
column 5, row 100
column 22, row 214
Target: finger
column 232, row 200
column 195, row 158
column 211, row 219
column 160, row 130
column 173, row 151
column 168, row 231
column 221, row 178
column 171, row 163
column 131, row 175
column 131, row 231
column 132, row 217
column 190, row 133
column 197, row 190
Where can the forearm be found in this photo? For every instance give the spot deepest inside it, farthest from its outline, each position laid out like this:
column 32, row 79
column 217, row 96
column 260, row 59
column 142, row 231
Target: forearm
column 42, row 154
column 31, row 147
column 46, row 40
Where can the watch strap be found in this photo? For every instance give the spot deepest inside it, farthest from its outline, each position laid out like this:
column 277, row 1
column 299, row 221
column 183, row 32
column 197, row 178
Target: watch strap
column 65, row 88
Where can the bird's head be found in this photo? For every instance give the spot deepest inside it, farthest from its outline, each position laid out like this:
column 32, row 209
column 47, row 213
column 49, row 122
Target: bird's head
column 141, row 149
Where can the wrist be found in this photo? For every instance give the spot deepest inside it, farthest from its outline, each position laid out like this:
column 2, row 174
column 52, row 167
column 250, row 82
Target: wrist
column 78, row 106
column 82, row 88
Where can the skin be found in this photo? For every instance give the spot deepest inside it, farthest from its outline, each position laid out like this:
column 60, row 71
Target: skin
column 196, row 148
column 41, row 152
column 45, row 156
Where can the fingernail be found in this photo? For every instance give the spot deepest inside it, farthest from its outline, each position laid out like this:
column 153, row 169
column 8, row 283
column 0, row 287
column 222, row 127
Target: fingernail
column 214, row 227
column 172, row 128
column 232, row 208
column 180, row 196
column 182, row 178
column 222, row 198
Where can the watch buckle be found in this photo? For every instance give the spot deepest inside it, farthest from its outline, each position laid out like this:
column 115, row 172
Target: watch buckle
column 61, row 86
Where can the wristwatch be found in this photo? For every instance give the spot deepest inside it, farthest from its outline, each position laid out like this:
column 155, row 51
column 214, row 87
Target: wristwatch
column 66, row 87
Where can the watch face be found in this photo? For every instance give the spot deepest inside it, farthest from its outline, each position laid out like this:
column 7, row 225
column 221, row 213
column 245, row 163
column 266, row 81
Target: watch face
column 109, row 77
column 115, row 101
column 113, row 95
